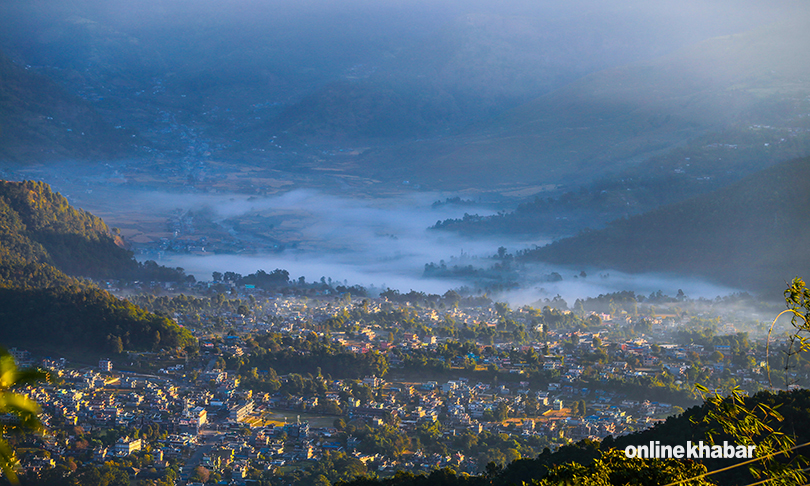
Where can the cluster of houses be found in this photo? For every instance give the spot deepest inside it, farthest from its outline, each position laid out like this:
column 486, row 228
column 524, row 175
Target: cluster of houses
column 205, row 417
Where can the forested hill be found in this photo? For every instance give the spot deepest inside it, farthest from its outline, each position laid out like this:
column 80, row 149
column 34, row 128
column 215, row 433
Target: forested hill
column 38, row 225
column 42, row 240
column 751, row 235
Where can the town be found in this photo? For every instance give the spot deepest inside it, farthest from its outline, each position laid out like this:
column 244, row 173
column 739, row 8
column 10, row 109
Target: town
column 293, row 382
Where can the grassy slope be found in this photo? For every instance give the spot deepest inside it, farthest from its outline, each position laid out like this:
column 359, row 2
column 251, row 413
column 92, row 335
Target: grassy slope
column 752, row 234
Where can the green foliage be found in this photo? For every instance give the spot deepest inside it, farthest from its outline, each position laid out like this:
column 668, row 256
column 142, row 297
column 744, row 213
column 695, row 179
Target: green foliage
column 15, row 404
column 754, row 424
column 264, row 280
column 285, row 354
column 38, row 226
column 40, row 231
column 87, row 319
column 797, row 298
column 614, row 468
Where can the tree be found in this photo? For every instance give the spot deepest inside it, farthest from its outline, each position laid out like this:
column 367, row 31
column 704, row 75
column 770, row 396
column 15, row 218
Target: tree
column 615, row 468
column 429, row 433
column 13, row 403
column 115, row 344
column 755, row 424
column 321, row 480
column 501, row 411
column 200, row 474
column 531, row 406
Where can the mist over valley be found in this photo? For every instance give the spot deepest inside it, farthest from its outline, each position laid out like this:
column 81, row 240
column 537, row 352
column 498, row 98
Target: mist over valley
column 364, row 242
column 377, row 241
column 324, row 136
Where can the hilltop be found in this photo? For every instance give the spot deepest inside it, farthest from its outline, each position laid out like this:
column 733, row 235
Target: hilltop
column 751, row 234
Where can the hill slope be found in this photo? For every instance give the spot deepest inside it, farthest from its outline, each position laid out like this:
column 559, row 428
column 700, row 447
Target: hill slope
column 41, row 305
column 39, row 120
column 39, row 225
column 752, row 234
column 373, row 73
column 617, row 118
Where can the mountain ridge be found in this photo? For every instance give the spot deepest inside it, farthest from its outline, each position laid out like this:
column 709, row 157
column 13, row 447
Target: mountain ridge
column 614, row 119
column 748, row 235
column 40, row 120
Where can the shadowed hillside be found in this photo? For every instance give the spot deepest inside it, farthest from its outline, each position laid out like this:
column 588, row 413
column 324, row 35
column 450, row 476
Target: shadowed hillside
column 39, row 303
column 615, row 119
column 752, row 234
column 39, row 120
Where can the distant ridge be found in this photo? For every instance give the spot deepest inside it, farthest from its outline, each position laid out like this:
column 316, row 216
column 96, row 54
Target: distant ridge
column 40, row 120
column 615, row 119
column 753, row 234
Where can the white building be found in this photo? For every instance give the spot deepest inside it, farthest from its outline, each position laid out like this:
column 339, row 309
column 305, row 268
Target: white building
column 126, row 446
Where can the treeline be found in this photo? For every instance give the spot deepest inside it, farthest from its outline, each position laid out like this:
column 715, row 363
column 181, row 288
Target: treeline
column 260, row 279
column 279, row 280
column 505, row 273
column 309, row 354
column 86, row 318
column 190, row 304
column 449, row 298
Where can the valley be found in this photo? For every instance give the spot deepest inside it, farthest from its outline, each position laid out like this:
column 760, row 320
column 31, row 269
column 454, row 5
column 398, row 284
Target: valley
column 353, row 242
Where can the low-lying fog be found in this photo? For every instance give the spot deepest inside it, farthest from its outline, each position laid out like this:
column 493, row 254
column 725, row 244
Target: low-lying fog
column 381, row 242
column 378, row 242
